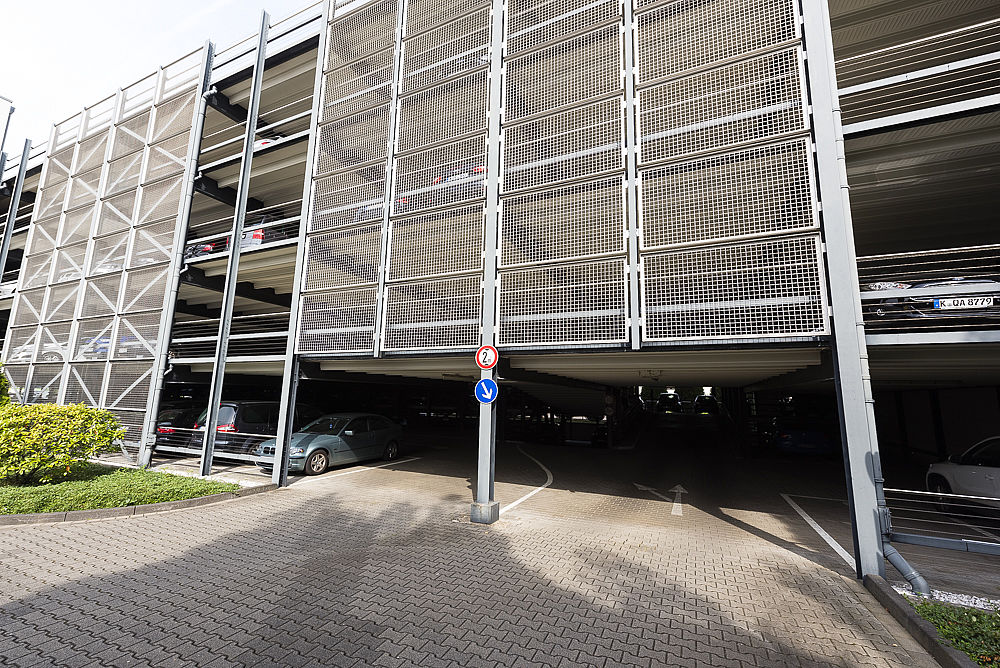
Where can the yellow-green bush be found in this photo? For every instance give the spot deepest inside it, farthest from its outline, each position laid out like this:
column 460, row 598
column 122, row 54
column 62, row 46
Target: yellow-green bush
column 39, row 443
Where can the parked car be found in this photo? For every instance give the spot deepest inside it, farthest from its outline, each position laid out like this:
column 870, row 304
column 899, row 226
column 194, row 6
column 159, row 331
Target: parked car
column 705, row 404
column 979, row 305
column 462, row 183
column 252, row 237
column 243, row 425
column 976, row 472
column 172, row 424
column 796, row 435
column 669, row 402
column 338, row 438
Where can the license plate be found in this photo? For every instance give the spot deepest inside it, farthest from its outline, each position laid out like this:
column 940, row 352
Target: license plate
column 963, row 302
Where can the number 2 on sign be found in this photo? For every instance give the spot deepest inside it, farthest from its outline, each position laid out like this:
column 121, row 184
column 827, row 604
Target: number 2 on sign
column 486, row 357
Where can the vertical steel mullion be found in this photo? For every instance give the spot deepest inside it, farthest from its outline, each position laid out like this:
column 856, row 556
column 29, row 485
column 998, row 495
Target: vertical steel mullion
column 390, row 178
column 631, row 176
column 15, row 198
column 290, row 371
column 235, row 239
column 854, row 394
column 485, row 509
column 147, row 437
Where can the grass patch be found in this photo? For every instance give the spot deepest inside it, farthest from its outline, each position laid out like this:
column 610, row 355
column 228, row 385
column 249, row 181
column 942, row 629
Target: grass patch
column 975, row 632
column 91, row 486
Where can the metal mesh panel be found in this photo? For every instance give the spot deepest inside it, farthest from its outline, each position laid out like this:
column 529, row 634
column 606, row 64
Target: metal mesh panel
column 116, row 213
column 424, row 14
column 437, row 243
column 442, row 175
column 17, row 377
column 93, row 339
column 123, row 173
column 58, row 167
column 572, row 221
column 61, row 302
column 29, row 307
column 145, row 289
column 765, row 189
column 569, row 303
column 50, row 200
column 44, row 386
column 137, row 336
column 69, row 263
column 109, row 254
column 358, row 86
column 36, row 269
column 22, row 344
column 348, row 197
column 84, row 188
column 450, row 110
column 76, row 225
column 683, row 35
column 43, row 236
column 570, row 72
column 342, row 321
column 755, row 289
column 447, row 51
column 360, row 33
column 101, row 296
column 153, row 244
column 347, row 257
column 91, row 152
column 173, row 116
column 167, row 157
column 743, row 102
column 132, row 421
column 442, row 313
column 579, row 142
column 130, row 135
column 160, row 200
column 84, row 384
column 531, row 24
column 54, row 343
column 359, row 138
column 128, row 385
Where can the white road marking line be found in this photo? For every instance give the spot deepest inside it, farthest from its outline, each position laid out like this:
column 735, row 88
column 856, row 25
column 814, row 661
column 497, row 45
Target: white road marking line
column 817, row 498
column 369, row 468
column 844, row 554
column 548, row 481
column 678, row 507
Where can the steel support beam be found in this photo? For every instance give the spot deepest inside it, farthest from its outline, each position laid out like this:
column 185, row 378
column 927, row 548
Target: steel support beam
column 290, row 373
column 246, row 289
column 854, row 394
column 211, row 188
column 632, row 183
column 15, row 198
column 183, row 306
column 233, row 263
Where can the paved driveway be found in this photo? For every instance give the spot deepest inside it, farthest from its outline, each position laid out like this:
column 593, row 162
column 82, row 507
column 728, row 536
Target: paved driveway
column 381, row 567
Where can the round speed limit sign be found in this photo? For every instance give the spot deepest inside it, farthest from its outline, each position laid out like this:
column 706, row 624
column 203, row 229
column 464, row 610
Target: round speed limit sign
column 487, row 357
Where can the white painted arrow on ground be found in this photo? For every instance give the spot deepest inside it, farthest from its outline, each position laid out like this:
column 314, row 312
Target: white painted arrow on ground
column 677, row 490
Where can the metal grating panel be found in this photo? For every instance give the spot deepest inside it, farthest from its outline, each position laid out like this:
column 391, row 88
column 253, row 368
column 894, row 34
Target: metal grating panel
column 579, row 142
column 132, row 421
column 348, row 197
column 36, row 269
column 361, row 33
column 167, row 157
column 173, row 116
column 531, row 24
column 130, row 136
column 29, row 307
column 569, row 303
column 43, row 236
column 570, row 72
column 436, row 314
column 53, row 343
column 128, row 385
column 437, row 243
column 58, row 167
column 443, row 175
column 145, row 289
column 765, row 288
column 352, row 140
column 747, row 101
column 17, row 377
column 153, row 244
column 687, row 34
column 358, row 86
column 424, row 14
column 137, row 336
column 61, row 302
column 44, row 385
column 91, row 152
column 76, row 225
column 21, row 348
column 85, row 382
column 109, row 254
column 93, row 339
column 69, row 263
column 101, row 296
column 161, row 200
column 343, row 258
column 447, row 51
column 573, row 221
column 84, row 188
column 50, row 200
column 766, row 189
column 453, row 109
column 116, row 213
column 342, row 321
column 123, row 173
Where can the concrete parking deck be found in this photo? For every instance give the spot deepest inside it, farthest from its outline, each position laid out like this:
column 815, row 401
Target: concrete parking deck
column 381, row 567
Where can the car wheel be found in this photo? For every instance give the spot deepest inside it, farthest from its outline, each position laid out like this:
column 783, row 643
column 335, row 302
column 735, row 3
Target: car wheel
column 317, row 463
column 941, row 486
column 391, row 451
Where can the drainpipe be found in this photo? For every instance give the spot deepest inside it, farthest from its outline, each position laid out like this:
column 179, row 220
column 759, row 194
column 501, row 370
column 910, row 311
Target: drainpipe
column 916, row 580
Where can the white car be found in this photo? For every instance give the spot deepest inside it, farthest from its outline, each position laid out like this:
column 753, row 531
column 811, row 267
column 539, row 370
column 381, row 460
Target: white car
column 976, row 472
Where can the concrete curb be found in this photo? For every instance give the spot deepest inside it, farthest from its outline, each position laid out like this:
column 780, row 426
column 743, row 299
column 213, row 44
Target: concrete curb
column 918, row 627
column 129, row 511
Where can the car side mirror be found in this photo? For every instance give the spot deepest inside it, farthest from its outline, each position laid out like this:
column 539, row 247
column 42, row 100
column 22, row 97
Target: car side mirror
column 348, row 432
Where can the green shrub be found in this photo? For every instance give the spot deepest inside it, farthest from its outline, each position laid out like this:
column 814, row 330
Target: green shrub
column 39, row 443
column 4, row 388
column 975, row 632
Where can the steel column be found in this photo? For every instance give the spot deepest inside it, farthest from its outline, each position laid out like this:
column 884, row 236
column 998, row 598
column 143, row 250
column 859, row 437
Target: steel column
column 148, row 435
column 854, row 395
column 290, row 373
column 15, row 198
column 233, row 264
column 631, row 179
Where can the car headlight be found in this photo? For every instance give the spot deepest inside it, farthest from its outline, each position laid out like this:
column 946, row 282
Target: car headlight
column 296, row 451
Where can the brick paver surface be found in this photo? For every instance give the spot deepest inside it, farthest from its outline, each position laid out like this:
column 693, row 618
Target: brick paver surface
column 382, row 568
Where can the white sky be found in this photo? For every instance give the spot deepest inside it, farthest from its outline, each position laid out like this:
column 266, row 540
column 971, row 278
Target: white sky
column 58, row 56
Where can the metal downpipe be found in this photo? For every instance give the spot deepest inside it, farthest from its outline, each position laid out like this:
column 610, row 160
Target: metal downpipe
column 915, row 579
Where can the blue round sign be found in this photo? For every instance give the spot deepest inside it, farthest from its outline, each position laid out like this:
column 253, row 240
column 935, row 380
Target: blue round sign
column 487, row 391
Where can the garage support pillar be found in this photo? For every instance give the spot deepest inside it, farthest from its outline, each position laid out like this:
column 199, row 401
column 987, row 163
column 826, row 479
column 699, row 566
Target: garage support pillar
column 869, row 518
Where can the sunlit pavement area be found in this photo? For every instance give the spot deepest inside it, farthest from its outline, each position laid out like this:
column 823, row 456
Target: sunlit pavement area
column 380, row 566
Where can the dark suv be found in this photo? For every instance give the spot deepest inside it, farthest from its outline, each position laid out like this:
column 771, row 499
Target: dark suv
column 243, row 425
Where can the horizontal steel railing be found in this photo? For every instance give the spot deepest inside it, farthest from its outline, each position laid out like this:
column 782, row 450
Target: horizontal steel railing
column 952, row 521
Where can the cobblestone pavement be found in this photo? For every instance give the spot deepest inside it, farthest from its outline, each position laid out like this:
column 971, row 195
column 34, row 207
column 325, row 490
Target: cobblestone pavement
column 380, row 567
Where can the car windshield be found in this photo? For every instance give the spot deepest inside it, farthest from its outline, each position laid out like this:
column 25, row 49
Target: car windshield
column 328, row 424
column 227, row 415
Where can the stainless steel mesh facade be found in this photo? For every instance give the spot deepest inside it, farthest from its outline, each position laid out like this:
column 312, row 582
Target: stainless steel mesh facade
column 92, row 295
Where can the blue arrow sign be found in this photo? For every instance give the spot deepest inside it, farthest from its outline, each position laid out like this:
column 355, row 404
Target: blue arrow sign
column 487, row 391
